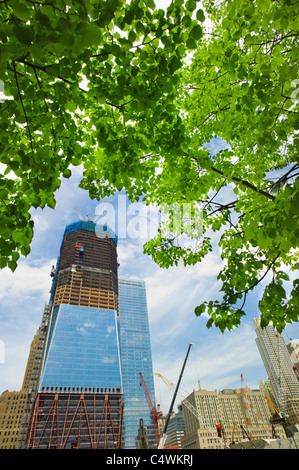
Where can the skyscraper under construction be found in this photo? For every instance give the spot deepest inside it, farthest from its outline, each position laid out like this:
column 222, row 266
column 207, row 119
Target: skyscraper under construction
column 78, row 396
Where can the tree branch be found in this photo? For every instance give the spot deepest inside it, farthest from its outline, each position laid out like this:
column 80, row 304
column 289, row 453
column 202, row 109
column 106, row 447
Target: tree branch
column 245, row 183
column 245, row 291
column 22, row 104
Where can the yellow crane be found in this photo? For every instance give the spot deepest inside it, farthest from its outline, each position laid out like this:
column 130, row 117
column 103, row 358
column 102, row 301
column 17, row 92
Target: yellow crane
column 166, row 381
column 276, row 417
column 234, row 428
column 275, row 414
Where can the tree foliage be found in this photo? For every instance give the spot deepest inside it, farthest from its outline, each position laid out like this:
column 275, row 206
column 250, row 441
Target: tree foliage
column 241, row 87
column 89, row 81
column 105, row 84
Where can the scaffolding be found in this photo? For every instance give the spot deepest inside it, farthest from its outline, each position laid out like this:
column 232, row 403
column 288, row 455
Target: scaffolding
column 86, row 274
column 76, row 421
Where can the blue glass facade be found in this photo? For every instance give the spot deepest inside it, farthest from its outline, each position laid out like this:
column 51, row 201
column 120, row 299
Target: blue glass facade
column 82, row 350
column 98, row 341
column 136, row 357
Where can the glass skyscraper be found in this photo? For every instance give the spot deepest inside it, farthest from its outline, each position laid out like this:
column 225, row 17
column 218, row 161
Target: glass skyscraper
column 279, row 367
column 136, row 357
column 96, row 345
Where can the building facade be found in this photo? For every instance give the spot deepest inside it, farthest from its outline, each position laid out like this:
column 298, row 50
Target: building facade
column 136, row 357
column 227, row 410
column 77, row 395
column 293, row 348
column 280, row 370
column 175, row 430
column 12, row 403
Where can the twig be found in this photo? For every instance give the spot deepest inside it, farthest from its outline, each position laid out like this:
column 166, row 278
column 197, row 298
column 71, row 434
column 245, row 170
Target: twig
column 19, row 92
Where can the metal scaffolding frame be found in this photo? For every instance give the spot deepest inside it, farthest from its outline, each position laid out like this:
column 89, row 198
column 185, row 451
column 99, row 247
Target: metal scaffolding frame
column 75, row 421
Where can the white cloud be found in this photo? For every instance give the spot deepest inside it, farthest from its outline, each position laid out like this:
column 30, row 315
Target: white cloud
column 26, row 280
column 125, row 253
column 41, row 222
column 178, row 288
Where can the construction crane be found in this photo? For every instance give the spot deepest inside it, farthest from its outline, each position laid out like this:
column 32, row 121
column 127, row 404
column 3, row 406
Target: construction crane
column 188, row 405
column 235, row 428
column 164, row 436
column 155, row 414
column 81, row 217
column 166, row 381
column 276, row 416
column 79, row 214
column 194, row 411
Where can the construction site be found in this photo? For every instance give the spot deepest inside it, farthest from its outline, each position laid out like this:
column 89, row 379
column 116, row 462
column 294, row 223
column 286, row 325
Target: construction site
column 89, row 381
column 231, row 419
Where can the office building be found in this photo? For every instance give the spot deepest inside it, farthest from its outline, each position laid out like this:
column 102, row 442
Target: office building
column 279, row 367
column 293, row 348
column 12, row 404
column 227, row 409
column 78, row 394
column 175, row 430
column 135, row 353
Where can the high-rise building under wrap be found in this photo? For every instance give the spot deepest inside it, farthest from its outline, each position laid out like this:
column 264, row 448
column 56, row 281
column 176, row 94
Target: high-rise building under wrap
column 81, row 393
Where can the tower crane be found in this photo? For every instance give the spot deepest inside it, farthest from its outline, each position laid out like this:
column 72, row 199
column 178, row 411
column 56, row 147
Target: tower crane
column 155, row 414
column 79, row 213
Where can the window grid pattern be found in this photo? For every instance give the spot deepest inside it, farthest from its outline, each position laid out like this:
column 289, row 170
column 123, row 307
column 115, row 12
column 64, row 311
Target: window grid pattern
column 136, row 357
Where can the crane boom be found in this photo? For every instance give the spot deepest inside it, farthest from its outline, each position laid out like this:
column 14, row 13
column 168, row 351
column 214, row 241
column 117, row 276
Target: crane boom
column 155, row 414
column 202, row 422
column 165, row 380
column 163, row 438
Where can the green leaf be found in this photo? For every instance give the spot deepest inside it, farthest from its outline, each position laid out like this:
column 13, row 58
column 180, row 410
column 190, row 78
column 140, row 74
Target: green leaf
column 196, row 32
column 67, row 173
column 191, row 5
column 20, row 10
column 3, row 262
column 24, row 34
column 191, row 43
column 71, row 106
column 200, row 16
column 18, row 237
column 199, row 309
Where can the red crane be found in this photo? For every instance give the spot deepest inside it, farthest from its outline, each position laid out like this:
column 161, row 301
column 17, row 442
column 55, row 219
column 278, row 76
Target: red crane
column 155, row 414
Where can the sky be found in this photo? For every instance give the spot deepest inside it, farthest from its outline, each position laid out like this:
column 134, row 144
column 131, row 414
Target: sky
column 216, row 360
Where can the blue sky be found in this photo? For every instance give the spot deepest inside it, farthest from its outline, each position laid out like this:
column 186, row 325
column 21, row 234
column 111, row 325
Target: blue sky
column 216, row 360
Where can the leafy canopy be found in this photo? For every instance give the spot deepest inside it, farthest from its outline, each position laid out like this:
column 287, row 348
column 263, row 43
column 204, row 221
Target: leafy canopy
column 85, row 81
column 241, row 87
column 104, row 84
